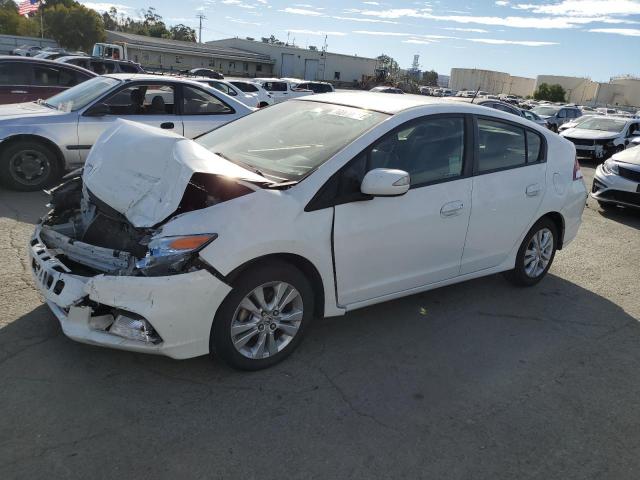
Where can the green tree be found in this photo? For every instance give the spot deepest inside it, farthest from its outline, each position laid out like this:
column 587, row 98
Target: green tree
column 11, row 23
column 182, row 32
column 74, row 26
column 387, row 68
column 430, row 78
column 551, row 93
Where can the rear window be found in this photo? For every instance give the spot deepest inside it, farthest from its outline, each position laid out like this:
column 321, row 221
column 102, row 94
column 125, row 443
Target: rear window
column 127, row 68
column 15, row 73
column 245, row 87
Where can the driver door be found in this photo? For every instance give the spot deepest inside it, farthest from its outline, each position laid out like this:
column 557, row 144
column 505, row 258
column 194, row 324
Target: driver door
column 151, row 103
column 387, row 245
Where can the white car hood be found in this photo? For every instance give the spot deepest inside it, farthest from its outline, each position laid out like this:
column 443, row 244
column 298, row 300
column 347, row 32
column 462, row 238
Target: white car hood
column 142, row 171
column 25, row 110
column 589, row 134
column 630, row 155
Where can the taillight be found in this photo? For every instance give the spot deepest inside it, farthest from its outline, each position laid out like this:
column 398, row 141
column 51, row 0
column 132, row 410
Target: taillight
column 577, row 173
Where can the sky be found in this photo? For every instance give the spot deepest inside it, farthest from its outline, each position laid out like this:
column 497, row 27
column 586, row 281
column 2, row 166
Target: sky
column 587, row 38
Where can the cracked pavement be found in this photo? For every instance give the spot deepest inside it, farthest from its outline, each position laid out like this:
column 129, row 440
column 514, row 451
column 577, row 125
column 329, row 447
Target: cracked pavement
column 477, row 380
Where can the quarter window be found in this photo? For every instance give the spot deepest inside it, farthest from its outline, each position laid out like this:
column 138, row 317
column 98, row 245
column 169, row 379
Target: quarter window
column 430, row 150
column 534, row 147
column 500, row 145
column 199, row 102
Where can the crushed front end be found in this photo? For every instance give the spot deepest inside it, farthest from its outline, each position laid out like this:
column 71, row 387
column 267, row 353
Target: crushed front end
column 113, row 284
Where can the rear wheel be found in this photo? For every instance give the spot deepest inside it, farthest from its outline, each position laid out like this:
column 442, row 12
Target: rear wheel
column 535, row 254
column 263, row 318
column 28, row 166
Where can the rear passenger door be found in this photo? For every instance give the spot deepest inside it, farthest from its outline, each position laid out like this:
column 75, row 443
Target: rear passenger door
column 508, row 187
column 202, row 111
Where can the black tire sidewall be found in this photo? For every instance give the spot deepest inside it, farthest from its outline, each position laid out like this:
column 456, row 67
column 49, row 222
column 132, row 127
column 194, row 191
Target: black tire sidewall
column 220, row 339
column 8, row 152
column 518, row 274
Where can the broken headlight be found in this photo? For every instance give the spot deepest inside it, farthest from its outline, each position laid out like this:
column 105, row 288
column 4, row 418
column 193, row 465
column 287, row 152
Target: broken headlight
column 170, row 255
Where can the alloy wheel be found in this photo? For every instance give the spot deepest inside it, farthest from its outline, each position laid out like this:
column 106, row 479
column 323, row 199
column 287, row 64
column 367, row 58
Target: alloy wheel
column 267, row 320
column 538, row 253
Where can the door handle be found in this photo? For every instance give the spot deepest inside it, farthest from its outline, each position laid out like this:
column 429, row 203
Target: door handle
column 452, row 208
column 18, row 91
column 533, row 190
column 167, row 125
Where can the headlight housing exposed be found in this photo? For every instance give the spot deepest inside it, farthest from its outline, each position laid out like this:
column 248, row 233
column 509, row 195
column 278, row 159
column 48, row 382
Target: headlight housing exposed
column 170, row 255
column 610, row 167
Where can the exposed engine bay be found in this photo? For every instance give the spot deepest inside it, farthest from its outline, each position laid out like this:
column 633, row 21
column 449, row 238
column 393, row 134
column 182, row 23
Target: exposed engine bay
column 91, row 237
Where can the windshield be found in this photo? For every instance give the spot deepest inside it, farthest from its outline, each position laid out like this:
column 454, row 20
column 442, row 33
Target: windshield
column 545, row 111
column 603, row 124
column 289, row 140
column 82, row 94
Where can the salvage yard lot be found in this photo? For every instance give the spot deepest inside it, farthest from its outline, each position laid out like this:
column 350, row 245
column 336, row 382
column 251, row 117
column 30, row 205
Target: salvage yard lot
column 477, row 380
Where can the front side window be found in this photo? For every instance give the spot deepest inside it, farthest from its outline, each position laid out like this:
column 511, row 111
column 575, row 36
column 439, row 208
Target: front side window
column 15, row 73
column 500, row 145
column 126, row 68
column 291, row 139
column 430, row 150
column 245, row 87
column 275, row 86
column 143, row 100
column 199, row 102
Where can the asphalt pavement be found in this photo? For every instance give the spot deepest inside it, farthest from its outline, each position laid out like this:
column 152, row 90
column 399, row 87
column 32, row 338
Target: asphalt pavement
column 479, row 380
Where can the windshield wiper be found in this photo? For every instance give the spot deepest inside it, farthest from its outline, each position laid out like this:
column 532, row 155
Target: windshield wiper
column 246, row 166
column 42, row 102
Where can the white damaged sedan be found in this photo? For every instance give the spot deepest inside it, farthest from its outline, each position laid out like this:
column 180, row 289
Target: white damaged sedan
column 232, row 243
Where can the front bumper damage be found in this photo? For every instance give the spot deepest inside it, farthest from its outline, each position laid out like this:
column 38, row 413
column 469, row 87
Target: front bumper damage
column 612, row 188
column 180, row 307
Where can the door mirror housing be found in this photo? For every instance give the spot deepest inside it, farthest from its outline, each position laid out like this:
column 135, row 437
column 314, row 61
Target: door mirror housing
column 385, row 182
column 98, row 110
column 635, row 140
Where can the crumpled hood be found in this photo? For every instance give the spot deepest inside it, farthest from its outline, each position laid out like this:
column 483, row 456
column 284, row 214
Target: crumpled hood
column 589, row 134
column 142, row 171
column 630, row 155
column 24, row 111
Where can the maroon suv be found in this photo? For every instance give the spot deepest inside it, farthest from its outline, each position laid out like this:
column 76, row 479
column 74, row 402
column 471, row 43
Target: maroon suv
column 24, row 79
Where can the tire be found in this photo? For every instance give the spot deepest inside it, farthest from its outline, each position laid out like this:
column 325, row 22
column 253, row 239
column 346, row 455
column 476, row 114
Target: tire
column 263, row 105
column 28, row 166
column 259, row 343
column 523, row 275
column 607, row 206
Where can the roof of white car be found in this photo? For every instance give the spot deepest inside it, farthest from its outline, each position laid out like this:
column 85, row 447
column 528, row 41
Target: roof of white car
column 381, row 102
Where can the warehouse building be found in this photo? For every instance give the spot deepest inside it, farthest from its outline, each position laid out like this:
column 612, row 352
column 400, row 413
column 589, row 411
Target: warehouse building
column 490, row 81
column 171, row 55
column 308, row 63
column 623, row 91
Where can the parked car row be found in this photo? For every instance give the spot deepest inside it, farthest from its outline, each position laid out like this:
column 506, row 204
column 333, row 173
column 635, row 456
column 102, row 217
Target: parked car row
column 358, row 198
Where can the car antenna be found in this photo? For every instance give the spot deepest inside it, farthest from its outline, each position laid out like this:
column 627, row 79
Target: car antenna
column 475, row 95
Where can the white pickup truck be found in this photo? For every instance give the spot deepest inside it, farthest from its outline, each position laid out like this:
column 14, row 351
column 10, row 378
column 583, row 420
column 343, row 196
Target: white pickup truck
column 282, row 89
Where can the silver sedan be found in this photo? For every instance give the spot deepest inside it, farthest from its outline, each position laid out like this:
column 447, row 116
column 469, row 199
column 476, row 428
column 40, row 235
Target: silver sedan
column 40, row 140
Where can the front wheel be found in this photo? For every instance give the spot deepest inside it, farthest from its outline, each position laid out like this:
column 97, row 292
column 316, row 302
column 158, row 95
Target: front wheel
column 28, row 166
column 263, row 318
column 535, row 255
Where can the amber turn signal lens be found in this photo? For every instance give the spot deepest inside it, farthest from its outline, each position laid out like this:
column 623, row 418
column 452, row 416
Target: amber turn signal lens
column 189, row 243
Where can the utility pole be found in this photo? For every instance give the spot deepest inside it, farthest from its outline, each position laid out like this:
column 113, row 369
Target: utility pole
column 201, row 17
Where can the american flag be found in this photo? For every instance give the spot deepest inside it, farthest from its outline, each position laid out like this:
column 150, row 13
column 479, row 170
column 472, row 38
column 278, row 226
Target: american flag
column 28, row 6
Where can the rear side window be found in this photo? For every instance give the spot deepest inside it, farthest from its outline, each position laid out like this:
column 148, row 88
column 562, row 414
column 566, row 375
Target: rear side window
column 45, row 76
column 245, row 87
column 15, row 73
column 275, row 86
column 500, row 145
column 199, row 102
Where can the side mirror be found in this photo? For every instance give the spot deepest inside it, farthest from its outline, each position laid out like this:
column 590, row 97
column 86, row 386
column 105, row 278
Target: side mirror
column 385, row 182
column 635, row 140
column 98, row 110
